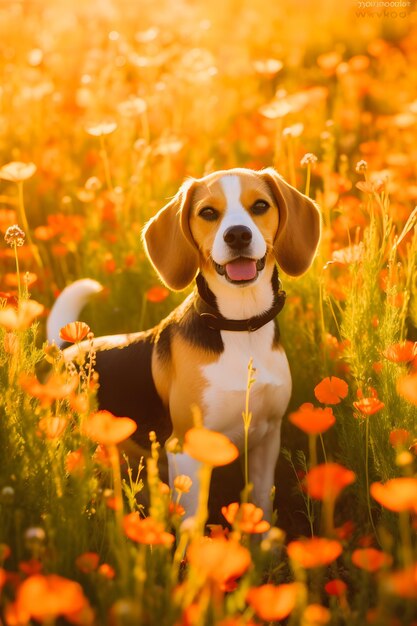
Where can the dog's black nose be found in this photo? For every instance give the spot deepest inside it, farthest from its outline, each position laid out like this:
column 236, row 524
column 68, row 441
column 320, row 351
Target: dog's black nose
column 238, row 237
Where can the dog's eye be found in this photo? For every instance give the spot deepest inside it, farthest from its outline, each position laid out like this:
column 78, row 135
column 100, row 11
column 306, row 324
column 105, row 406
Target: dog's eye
column 260, row 207
column 209, row 214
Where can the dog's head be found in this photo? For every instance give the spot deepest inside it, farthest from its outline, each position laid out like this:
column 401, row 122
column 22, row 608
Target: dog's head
column 232, row 225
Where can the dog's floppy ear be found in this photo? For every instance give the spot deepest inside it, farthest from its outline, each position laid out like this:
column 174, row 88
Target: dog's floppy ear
column 299, row 225
column 168, row 241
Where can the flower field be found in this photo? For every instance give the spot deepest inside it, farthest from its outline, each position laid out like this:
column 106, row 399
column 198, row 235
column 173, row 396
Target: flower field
column 105, row 108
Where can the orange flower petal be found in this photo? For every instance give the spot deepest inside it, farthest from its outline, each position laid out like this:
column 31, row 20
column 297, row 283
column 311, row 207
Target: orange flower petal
column 326, row 481
column 368, row 406
column 316, row 614
column 399, row 437
column 331, row 390
column 157, row 294
column 397, row 494
column 87, row 562
column 147, row 530
column 273, row 602
column 402, row 583
column 22, row 317
column 52, row 427
column 209, row 446
column 56, row 387
column 46, row 597
column 312, row 420
column 246, row 518
column 107, row 429
column 314, row 552
column 74, row 332
column 219, row 560
column 336, row 587
column 402, row 352
column 407, row 387
column 370, row 559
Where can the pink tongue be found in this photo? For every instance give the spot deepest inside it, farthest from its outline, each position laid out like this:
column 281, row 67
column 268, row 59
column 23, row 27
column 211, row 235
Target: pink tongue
column 242, row 269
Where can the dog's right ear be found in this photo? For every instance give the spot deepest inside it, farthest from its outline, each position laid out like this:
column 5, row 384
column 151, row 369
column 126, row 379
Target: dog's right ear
column 168, row 241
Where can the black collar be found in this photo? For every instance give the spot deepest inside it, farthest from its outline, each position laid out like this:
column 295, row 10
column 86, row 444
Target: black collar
column 211, row 315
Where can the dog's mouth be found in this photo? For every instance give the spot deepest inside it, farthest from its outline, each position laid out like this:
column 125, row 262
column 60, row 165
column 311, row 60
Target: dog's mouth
column 241, row 270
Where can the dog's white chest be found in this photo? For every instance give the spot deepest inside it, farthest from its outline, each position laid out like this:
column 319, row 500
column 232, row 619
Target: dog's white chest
column 225, row 394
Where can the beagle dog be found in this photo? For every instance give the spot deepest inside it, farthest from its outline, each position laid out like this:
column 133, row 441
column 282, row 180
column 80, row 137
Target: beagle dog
column 229, row 230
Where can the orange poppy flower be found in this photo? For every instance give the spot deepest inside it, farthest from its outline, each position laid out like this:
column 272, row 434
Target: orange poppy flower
column 407, row 387
column 107, row 571
column 75, row 462
column 219, row 560
column 14, row 615
column 273, row 602
column 157, row 294
column 402, row 583
column 46, row 597
column 402, row 352
column 87, row 562
column 314, row 552
column 12, row 279
column 107, row 429
column 399, row 437
column 397, row 494
column 312, row 420
column 52, row 427
column 146, row 530
column 370, row 559
column 22, row 317
column 74, row 332
column 56, row 387
column 238, row 620
column 336, row 587
column 30, row 567
column 331, row 390
column 326, row 481
column 209, row 446
column 246, row 517
column 368, row 406
column 5, row 552
column 316, row 615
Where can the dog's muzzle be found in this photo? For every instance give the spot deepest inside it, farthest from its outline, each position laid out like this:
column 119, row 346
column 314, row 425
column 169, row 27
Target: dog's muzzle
column 241, row 269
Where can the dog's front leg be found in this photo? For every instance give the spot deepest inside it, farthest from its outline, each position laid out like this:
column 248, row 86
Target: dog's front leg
column 179, row 464
column 262, row 461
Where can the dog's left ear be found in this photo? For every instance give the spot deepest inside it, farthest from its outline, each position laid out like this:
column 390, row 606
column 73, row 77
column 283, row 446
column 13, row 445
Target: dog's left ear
column 168, row 241
column 299, row 225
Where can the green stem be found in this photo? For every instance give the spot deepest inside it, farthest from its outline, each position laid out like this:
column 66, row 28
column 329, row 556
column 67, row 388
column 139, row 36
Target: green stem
column 117, row 482
column 106, row 163
column 23, row 220
column 323, row 448
column 312, row 449
column 247, row 418
column 143, row 312
column 202, row 508
column 308, row 179
column 407, row 548
column 368, row 499
column 19, row 287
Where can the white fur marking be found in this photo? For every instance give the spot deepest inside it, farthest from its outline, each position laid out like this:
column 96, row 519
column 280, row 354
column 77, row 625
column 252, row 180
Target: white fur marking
column 235, row 215
column 224, row 398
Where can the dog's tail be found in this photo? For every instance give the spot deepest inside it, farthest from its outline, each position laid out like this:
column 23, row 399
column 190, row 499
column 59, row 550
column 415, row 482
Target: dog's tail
column 68, row 306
